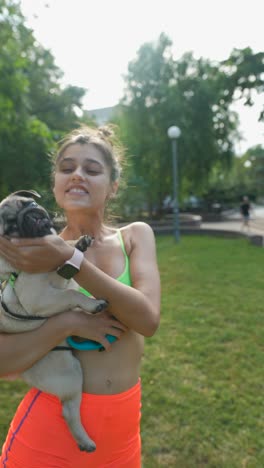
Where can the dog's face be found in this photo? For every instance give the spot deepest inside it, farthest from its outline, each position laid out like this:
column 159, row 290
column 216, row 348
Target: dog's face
column 21, row 216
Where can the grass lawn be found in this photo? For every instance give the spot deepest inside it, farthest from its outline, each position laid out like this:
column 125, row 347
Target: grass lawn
column 203, row 371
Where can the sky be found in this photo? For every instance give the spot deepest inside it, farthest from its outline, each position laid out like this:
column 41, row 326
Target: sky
column 93, row 42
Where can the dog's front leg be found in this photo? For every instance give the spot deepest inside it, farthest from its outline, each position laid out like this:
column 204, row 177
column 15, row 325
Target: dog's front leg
column 59, row 300
column 71, row 414
column 88, row 304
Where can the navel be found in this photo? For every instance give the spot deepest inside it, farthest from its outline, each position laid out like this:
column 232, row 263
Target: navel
column 108, row 383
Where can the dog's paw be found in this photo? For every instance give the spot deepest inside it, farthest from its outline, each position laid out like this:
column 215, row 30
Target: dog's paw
column 89, row 447
column 101, row 305
column 84, row 242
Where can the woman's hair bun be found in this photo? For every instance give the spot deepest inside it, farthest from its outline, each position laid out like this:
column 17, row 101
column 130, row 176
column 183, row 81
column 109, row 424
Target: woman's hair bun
column 105, row 131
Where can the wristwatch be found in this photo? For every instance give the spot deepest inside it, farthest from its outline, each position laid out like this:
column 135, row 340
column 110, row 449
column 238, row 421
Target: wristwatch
column 71, row 266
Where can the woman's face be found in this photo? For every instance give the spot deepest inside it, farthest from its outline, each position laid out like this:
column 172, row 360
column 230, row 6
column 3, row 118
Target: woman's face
column 82, row 179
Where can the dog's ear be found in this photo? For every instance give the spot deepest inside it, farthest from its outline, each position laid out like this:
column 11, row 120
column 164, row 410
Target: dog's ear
column 27, row 193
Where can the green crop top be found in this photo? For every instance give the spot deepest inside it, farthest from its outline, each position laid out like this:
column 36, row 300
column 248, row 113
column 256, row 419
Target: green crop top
column 124, row 278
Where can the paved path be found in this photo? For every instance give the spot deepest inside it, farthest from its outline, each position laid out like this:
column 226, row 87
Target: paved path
column 256, row 226
column 232, row 223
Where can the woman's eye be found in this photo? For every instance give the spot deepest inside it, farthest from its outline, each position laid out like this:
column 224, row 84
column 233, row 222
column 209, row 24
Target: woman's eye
column 66, row 169
column 88, row 170
column 92, row 171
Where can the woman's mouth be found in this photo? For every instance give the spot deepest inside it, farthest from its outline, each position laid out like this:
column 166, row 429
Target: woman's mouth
column 77, row 191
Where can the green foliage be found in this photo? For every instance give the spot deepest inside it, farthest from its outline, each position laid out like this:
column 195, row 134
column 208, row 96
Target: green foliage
column 194, row 94
column 254, row 161
column 243, row 74
column 244, row 177
column 35, row 110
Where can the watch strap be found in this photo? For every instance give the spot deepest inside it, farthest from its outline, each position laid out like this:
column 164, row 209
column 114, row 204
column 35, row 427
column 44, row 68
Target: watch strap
column 75, row 261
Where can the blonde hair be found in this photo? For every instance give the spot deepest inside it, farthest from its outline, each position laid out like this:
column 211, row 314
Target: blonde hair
column 103, row 138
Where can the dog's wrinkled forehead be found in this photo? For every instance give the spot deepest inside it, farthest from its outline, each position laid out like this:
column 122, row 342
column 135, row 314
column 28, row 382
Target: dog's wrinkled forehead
column 12, row 205
column 15, row 202
column 21, row 216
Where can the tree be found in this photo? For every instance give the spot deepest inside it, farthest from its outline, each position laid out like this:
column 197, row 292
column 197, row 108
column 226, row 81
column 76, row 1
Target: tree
column 254, row 164
column 242, row 76
column 194, row 94
column 161, row 92
column 35, row 110
column 147, row 81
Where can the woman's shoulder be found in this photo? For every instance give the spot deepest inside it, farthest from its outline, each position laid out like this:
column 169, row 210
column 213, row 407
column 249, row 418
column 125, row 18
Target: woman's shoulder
column 137, row 227
column 136, row 233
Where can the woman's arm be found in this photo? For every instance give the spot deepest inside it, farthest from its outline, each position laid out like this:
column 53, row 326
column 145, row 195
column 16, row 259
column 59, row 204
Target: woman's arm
column 20, row 351
column 137, row 307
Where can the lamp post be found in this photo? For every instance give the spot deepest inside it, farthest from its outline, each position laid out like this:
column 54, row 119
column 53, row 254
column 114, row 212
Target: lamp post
column 174, row 133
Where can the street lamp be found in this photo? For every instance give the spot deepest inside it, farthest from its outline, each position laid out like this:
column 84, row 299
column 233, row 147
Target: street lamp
column 174, row 133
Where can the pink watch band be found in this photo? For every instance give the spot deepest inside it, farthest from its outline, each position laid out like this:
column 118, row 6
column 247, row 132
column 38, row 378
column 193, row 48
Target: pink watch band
column 76, row 259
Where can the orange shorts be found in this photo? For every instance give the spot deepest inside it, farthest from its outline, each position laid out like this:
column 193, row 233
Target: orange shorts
column 39, row 438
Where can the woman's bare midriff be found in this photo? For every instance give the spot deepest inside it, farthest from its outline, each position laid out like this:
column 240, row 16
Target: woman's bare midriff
column 113, row 371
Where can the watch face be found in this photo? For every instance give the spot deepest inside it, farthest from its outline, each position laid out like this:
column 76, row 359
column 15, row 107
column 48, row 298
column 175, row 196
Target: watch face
column 67, row 271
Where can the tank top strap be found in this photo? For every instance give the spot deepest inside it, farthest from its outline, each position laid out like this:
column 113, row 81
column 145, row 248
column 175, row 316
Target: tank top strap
column 125, row 276
column 122, row 245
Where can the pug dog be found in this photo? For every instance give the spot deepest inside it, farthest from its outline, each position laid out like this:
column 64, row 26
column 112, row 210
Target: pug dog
column 32, row 298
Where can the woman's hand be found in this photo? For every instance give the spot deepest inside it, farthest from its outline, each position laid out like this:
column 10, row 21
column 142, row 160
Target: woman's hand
column 36, row 255
column 95, row 326
column 19, row 351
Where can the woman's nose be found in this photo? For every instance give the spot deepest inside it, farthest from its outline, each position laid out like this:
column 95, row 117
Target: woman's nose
column 78, row 174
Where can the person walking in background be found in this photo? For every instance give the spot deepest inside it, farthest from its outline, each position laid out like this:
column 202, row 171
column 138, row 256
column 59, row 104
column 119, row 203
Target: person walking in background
column 245, row 209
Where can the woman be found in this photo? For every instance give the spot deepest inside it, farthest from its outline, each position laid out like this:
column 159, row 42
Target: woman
column 120, row 267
